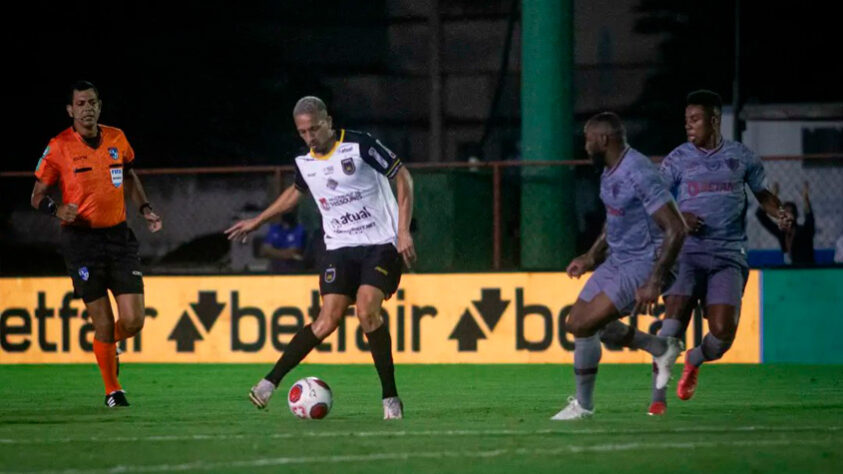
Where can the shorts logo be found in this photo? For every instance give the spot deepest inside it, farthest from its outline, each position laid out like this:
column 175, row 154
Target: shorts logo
column 332, row 184
column 113, row 153
column 330, row 275
column 116, row 177
column 348, row 166
column 83, row 273
column 323, row 203
column 137, row 273
column 382, row 270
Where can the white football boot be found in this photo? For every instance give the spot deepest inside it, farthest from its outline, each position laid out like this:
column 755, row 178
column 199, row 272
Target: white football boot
column 261, row 393
column 664, row 363
column 574, row 411
column 393, row 409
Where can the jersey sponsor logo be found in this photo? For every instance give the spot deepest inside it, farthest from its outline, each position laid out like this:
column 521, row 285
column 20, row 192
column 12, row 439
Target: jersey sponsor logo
column 332, row 184
column 348, row 166
column 328, row 170
column 84, row 274
column 377, row 156
column 345, row 148
column 350, row 218
column 697, row 187
column 330, row 275
column 116, row 177
column 80, row 157
column 113, row 153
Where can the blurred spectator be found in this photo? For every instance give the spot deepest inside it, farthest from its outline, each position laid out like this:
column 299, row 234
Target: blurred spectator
column 797, row 244
column 284, row 245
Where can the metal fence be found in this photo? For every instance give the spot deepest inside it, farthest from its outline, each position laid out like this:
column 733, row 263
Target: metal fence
column 197, row 204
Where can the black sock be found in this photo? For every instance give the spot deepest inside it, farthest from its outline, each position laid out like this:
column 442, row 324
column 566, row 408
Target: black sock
column 303, row 342
column 380, row 343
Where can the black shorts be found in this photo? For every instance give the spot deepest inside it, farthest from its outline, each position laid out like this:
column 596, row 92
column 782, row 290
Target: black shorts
column 345, row 269
column 99, row 260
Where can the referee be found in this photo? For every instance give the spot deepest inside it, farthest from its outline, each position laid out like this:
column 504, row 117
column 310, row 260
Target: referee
column 92, row 164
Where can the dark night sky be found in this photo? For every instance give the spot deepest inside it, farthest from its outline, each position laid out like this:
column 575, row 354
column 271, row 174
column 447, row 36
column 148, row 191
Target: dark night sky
column 210, row 83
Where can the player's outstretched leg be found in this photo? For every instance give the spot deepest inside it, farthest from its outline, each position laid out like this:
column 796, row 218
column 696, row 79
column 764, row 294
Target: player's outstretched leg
column 369, row 300
column 308, row 337
column 584, row 322
column 664, row 350
column 722, row 322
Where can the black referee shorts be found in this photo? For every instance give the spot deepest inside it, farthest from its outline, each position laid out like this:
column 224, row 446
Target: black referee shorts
column 345, row 269
column 99, row 260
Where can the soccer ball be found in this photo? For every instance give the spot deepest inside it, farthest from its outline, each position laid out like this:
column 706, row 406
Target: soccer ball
column 310, row 398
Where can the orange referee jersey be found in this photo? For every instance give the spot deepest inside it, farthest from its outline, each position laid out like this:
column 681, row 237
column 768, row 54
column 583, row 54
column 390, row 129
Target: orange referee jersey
column 91, row 178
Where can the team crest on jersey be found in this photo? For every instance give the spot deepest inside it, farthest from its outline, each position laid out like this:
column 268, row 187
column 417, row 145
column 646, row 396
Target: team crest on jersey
column 732, row 163
column 113, row 153
column 116, row 177
column 83, row 273
column 330, row 275
column 332, row 184
column 616, row 188
column 348, row 166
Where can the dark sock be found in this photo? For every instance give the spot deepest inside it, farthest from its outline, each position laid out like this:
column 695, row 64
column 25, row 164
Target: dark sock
column 620, row 334
column 670, row 328
column 710, row 349
column 303, row 342
column 380, row 343
column 587, row 352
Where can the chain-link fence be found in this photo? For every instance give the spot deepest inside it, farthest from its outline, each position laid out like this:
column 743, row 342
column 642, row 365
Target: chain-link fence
column 467, row 216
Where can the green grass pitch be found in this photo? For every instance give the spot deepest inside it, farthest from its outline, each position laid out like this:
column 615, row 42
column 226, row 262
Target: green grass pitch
column 459, row 418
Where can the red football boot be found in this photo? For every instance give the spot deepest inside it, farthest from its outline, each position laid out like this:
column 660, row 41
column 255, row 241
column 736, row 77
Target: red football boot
column 657, row 409
column 688, row 383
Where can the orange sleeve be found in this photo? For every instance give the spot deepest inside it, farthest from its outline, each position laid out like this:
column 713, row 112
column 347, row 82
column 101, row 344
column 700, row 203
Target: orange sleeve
column 47, row 171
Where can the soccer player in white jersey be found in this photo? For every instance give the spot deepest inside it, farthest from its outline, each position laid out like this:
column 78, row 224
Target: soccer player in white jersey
column 367, row 233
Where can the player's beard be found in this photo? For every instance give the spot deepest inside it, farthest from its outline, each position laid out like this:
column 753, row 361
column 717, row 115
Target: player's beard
column 598, row 159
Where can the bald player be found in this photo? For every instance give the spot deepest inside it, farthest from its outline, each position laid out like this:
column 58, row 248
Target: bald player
column 635, row 253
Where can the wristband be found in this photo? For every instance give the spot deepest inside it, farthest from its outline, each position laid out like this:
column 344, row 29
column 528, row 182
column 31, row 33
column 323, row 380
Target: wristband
column 48, row 206
column 144, row 206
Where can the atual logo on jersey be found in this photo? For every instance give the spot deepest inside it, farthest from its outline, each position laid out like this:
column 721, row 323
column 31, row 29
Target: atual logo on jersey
column 83, row 273
column 345, row 149
column 732, row 163
column 377, row 156
column 348, row 166
column 323, row 203
column 113, row 153
column 330, row 275
column 116, row 177
column 332, row 184
column 328, row 170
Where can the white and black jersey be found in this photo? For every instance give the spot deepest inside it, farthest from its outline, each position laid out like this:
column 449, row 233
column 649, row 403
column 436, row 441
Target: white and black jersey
column 351, row 188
